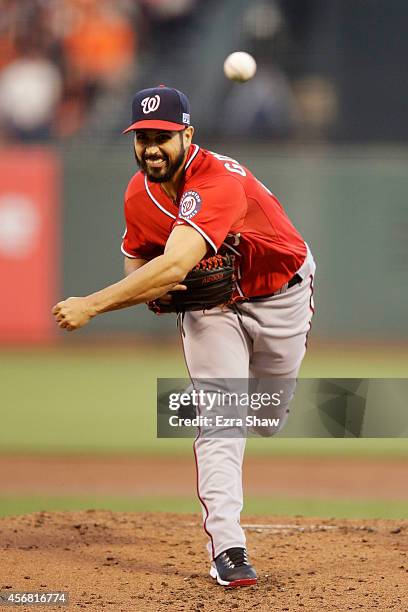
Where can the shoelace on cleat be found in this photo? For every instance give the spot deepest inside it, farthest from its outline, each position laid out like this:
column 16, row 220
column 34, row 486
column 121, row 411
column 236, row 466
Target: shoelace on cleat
column 235, row 557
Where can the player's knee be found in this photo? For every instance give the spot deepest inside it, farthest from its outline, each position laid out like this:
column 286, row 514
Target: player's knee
column 267, row 423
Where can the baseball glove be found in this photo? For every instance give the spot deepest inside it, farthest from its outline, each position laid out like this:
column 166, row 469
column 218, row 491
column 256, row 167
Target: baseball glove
column 210, row 283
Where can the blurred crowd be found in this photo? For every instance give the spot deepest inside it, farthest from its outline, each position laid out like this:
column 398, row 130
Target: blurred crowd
column 56, row 57
column 290, row 98
column 60, row 58
column 69, row 67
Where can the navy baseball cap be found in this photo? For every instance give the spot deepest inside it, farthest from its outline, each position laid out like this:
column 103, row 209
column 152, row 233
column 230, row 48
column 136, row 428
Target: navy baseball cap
column 160, row 108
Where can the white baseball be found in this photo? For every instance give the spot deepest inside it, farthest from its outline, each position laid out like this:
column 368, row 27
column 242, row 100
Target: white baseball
column 239, row 66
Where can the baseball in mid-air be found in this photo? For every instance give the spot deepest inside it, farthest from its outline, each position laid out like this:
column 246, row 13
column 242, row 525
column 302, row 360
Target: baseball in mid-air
column 239, row 66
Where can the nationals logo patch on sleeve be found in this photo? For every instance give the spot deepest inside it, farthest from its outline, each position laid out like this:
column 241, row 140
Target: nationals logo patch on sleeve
column 190, row 204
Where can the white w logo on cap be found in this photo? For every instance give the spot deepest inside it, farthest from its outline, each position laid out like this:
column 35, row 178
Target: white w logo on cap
column 150, row 104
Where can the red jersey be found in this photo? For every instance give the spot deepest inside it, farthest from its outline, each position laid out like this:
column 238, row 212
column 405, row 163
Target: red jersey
column 230, row 208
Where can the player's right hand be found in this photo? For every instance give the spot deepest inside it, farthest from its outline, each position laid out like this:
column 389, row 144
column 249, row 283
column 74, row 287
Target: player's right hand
column 72, row 313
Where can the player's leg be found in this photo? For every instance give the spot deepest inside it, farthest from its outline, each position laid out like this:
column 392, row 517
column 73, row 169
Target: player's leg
column 282, row 324
column 280, row 327
column 216, row 347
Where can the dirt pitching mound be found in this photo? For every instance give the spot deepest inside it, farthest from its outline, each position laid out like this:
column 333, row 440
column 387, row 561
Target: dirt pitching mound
column 131, row 562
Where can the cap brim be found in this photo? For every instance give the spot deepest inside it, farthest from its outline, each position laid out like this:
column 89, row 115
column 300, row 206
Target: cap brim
column 155, row 125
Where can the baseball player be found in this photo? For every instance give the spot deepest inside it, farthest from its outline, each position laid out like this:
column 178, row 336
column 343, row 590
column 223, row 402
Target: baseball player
column 191, row 208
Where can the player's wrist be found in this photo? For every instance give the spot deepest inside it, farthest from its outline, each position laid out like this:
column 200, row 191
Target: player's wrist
column 91, row 306
column 106, row 300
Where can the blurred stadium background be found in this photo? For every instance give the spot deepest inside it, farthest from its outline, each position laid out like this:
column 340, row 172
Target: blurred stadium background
column 323, row 124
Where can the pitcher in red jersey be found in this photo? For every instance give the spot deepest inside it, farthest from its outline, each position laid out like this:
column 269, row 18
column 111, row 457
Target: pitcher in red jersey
column 183, row 204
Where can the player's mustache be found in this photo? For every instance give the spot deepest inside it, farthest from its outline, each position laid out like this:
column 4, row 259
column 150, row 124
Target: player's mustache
column 155, row 157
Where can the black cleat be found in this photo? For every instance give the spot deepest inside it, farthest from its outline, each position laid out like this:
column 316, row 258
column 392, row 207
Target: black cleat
column 232, row 569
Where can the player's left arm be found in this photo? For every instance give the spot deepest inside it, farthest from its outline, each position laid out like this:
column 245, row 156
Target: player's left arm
column 184, row 249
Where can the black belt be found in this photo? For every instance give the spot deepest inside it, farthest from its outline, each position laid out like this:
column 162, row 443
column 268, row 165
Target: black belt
column 295, row 280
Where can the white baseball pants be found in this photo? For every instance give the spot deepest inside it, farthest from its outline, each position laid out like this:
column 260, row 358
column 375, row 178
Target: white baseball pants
column 265, row 339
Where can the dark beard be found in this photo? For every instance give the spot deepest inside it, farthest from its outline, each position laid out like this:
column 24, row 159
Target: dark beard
column 157, row 175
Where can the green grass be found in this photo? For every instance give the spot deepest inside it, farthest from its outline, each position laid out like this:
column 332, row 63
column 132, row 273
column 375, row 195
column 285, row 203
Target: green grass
column 63, row 401
column 266, row 506
column 96, row 401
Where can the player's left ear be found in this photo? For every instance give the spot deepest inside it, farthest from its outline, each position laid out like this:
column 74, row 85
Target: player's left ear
column 188, row 135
